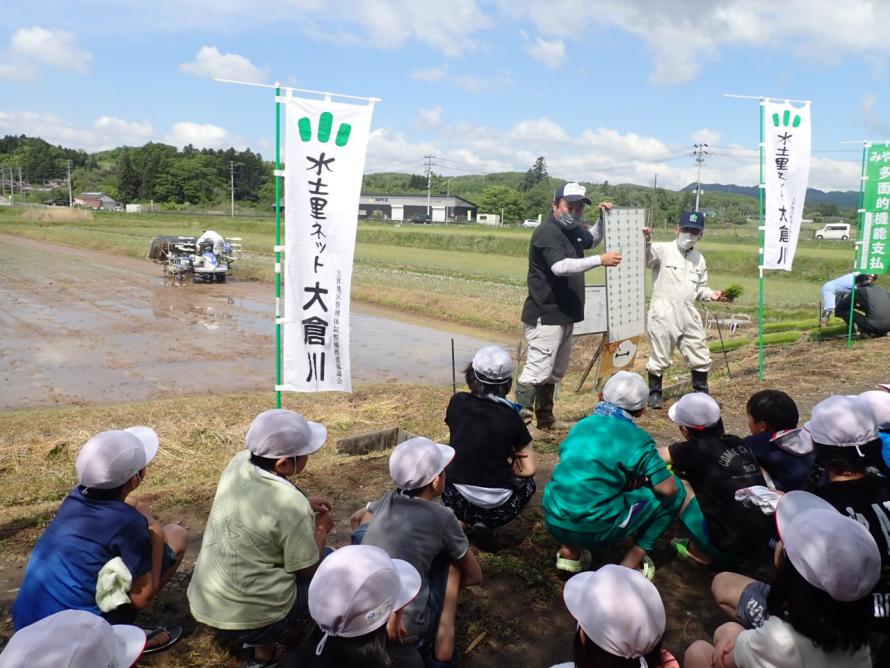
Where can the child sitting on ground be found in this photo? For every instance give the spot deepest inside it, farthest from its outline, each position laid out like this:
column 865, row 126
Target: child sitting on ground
column 879, row 400
column 715, row 465
column 787, row 461
column 410, row 525
column 97, row 523
column 355, row 598
column 610, row 484
column 490, row 480
column 845, row 441
column 621, row 620
column 819, row 605
column 73, row 639
column 263, row 538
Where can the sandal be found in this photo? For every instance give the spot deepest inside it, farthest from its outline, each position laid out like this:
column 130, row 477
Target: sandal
column 174, row 633
column 574, row 565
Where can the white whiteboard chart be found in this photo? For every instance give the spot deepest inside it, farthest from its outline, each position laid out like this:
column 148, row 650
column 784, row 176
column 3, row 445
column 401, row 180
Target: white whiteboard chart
column 595, row 316
column 626, row 283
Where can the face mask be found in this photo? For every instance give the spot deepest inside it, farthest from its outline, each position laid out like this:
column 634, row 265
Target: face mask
column 685, row 240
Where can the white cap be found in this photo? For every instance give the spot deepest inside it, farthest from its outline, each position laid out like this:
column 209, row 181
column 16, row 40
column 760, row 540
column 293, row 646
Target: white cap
column 414, row 463
column 695, row 410
column 842, row 421
column 880, row 406
column 74, row 639
column 357, row 588
column 831, row 551
column 618, row 608
column 280, row 433
column 111, row 458
column 626, row 390
column 493, row 365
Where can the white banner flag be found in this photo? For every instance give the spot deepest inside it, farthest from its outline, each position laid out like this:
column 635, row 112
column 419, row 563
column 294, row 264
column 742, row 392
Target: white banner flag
column 325, row 144
column 787, row 142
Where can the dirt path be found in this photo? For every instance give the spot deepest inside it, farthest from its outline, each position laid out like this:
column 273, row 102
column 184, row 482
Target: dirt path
column 72, row 314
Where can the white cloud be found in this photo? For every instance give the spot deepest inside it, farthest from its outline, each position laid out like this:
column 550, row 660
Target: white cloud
column 17, row 71
column 538, row 130
column 682, row 36
column 870, row 117
column 431, row 117
column 430, row 74
column 468, row 82
column 202, row 135
column 106, row 132
column 57, row 48
column 705, row 136
column 212, row 64
column 550, row 52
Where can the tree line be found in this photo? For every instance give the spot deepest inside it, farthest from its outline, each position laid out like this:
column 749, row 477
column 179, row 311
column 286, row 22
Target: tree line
column 172, row 177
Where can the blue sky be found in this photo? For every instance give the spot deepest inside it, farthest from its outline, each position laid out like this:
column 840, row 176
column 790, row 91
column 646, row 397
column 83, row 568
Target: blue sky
column 605, row 89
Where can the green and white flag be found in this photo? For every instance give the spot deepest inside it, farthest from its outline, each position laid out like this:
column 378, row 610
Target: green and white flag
column 874, row 252
column 325, row 145
column 787, row 143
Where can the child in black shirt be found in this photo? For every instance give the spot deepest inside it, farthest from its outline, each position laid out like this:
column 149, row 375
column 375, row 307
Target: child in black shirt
column 491, row 478
column 715, row 465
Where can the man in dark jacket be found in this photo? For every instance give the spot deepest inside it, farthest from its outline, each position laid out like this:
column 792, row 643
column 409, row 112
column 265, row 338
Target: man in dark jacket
column 555, row 302
column 874, row 304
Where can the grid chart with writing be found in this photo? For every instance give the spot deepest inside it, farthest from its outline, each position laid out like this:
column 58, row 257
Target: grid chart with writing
column 626, row 283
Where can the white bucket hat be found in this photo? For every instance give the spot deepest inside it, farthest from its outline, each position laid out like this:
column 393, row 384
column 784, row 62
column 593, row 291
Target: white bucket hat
column 879, row 401
column 832, row 552
column 280, row 433
column 74, row 639
column 415, row 462
column 357, row 588
column 618, row 608
column 842, row 421
column 695, row 410
column 626, row 390
column 111, row 458
column 492, row 365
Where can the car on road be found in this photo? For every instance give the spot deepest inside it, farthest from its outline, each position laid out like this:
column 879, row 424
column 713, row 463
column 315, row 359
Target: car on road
column 421, row 219
column 531, row 222
column 834, row 231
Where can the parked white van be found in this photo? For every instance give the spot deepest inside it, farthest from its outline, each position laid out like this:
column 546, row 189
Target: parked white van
column 834, row 231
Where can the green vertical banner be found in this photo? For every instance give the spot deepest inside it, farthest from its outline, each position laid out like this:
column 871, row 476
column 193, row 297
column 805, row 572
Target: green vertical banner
column 874, row 249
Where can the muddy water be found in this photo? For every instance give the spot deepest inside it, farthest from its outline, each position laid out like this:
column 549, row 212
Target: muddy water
column 80, row 326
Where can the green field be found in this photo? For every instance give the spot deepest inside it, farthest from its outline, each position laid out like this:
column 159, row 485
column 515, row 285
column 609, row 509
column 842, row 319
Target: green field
column 470, row 274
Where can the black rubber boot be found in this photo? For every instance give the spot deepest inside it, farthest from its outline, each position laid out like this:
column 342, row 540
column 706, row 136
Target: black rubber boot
column 700, row 381
column 655, row 399
column 544, row 406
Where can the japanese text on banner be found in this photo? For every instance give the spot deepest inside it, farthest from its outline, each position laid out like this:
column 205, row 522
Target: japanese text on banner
column 874, row 257
column 325, row 154
column 786, row 147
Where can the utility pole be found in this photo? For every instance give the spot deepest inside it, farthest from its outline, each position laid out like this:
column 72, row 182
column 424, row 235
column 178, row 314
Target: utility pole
column 232, row 184
column 429, row 183
column 21, row 185
column 70, row 198
column 652, row 209
column 701, row 150
column 3, row 180
column 447, row 196
column 11, row 185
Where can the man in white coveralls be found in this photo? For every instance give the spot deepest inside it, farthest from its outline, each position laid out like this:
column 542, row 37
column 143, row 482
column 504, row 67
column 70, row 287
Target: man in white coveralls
column 680, row 277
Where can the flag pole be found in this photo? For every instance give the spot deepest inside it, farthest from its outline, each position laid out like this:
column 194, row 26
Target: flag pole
column 278, row 314
column 857, row 254
column 762, row 244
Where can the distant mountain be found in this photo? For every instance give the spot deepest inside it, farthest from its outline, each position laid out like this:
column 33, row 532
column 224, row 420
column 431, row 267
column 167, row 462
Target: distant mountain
column 843, row 198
